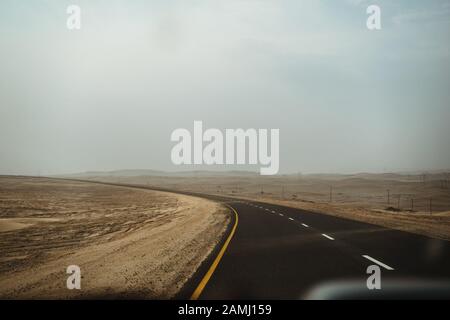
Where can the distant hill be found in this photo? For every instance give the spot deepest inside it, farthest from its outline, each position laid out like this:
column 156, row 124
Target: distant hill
column 430, row 175
column 117, row 173
column 157, row 173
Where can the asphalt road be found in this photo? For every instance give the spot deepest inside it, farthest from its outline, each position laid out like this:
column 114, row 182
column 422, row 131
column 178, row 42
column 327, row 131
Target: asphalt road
column 282, row 253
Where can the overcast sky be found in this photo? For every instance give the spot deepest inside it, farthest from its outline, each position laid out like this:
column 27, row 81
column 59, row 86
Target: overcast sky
column 108, row 96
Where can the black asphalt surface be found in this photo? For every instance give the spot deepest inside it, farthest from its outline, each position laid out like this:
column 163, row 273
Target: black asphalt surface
column 273, row 255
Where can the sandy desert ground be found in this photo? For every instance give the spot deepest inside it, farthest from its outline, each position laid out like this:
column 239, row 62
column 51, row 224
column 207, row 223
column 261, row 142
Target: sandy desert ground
column 418, row 203
column 129, row 243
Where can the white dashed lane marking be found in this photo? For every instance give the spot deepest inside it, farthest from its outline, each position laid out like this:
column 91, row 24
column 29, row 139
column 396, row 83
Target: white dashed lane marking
column 327, row 236
column 381, row 264
column 378, row 262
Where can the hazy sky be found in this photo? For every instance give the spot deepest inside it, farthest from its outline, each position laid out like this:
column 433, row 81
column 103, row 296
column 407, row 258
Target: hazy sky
column 108, row 96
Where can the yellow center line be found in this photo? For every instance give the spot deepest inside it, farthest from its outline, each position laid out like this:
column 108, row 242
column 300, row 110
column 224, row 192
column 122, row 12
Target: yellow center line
column 201, row 286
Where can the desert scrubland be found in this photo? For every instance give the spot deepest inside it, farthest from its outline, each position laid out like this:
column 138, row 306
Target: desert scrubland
column 418, row 203
column 129, row 243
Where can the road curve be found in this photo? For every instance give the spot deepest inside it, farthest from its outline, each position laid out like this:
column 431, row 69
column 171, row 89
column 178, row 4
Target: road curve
column 278, row 252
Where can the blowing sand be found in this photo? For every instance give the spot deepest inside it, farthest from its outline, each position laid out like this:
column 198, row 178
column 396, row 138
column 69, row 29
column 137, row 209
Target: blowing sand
column 129, row 243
